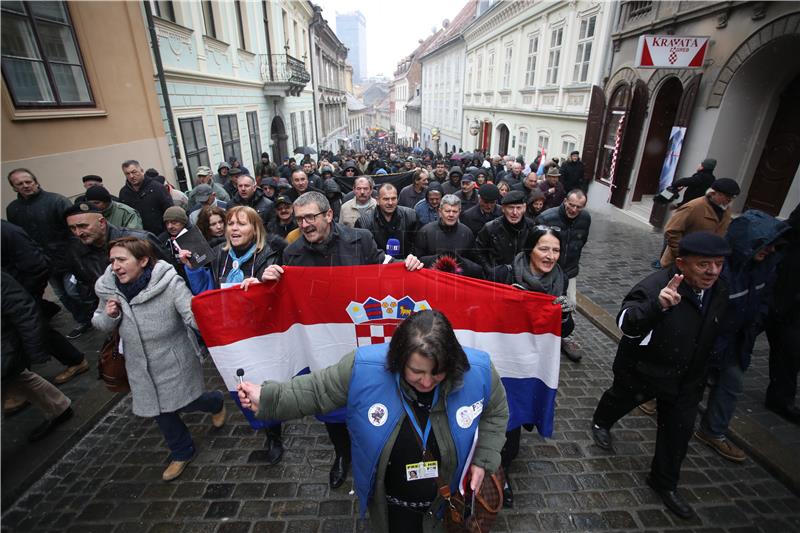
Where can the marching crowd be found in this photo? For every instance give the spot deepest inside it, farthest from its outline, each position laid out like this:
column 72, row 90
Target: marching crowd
column 115, row 264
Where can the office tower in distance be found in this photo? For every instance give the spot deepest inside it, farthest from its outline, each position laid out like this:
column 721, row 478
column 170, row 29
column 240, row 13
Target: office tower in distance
column 351, row 29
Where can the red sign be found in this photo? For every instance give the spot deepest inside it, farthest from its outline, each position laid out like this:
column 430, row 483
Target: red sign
column 670, row 51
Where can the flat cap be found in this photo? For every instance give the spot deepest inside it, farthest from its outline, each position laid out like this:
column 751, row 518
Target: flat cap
column 92, row 177
column 703, row 243
column 513, row 197
column 726, row 186
column 202, row 193
column 489, row 192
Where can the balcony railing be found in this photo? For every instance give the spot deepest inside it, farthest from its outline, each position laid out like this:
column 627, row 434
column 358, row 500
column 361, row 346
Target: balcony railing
column 284, row 73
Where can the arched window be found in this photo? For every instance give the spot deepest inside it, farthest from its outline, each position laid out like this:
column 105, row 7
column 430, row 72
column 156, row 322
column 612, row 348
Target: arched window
column 522, row 143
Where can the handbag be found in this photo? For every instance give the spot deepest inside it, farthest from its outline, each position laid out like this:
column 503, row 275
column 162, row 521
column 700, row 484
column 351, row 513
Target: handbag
column 111, row 365
column 480, row 515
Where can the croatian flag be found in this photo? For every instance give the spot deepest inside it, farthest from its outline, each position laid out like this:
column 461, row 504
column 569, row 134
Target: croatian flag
column 542, row 161
column 314, row 316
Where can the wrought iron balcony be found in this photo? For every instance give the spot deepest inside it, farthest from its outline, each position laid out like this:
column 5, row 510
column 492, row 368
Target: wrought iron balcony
column 283, row 75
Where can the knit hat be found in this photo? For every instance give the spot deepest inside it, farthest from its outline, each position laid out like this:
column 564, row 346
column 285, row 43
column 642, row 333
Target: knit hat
column 98, row 193
column 709, row 164
column 176, row 214
column 726, row 186
column 489, row 192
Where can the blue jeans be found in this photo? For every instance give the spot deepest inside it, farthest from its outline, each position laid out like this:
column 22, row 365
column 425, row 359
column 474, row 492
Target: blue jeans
column 726, row 388
column 177, row 435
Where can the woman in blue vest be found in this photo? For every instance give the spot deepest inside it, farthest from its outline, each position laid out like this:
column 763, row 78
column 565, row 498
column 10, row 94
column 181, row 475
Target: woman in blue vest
column 413, row 408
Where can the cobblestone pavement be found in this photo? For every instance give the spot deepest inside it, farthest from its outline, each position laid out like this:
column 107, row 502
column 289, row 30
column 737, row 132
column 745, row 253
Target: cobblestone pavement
column 111, row 480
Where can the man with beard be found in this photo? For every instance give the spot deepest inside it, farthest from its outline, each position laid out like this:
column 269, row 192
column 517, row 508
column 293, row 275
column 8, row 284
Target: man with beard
column 284, row 222
column 326, row 243
column 503, row 238
column 390, row 221
column 707, row 213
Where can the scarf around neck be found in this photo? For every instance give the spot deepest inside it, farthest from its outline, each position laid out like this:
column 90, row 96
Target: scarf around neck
column 551, row 283
column 131, row 289
column 236, row 275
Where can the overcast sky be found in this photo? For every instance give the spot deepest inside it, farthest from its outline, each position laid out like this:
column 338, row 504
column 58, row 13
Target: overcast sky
column 394, row 27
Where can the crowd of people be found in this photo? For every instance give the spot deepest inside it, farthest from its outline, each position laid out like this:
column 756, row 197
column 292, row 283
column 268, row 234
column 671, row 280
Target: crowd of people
column 115, row 263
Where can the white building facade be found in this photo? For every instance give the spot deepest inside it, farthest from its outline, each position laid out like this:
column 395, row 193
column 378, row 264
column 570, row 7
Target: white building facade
column 328, row 72
column 238, row 79
column 529, row 72
column 442, row 94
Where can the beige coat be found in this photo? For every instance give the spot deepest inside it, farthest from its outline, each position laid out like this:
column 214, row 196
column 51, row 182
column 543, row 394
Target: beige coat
column 349, row 213
column 696, row 215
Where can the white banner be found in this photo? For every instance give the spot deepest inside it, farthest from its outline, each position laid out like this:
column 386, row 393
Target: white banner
column 671, row 51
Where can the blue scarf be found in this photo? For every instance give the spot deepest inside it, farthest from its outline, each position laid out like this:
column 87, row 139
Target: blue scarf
column 132, row 288
column 236, row 275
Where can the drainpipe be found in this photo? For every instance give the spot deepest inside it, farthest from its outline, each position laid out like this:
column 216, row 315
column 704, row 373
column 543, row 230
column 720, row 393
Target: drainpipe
column 312, row 31
column 180, row 172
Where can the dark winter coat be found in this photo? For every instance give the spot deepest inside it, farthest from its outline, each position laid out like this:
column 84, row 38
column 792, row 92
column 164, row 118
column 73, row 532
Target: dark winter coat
column 275, row 227
column 668, row 349
column 345, row 246
column 23, row 258
column 467, row 203
column 259, row 202
column 555, row 198
column 574, row 234
column 572, row 175
column 499, row 242
column 750, row 284
column 785, row 306
column 209, row 277
column 474, row 217
column 42, row 218
column 402, row 226
column 151, row 200
column 435, row 238
column 409, row 197
column 22, row 328
column 696, row 185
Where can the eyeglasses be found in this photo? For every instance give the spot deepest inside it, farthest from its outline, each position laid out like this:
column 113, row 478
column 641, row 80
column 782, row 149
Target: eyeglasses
column 545, row 228
column 308, row 219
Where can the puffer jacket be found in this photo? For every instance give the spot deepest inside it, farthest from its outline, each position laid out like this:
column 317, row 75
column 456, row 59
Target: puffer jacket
column 750, row 283
column 574, row 234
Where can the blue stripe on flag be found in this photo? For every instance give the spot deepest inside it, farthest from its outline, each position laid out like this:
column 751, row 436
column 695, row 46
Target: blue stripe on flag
column 530, row 401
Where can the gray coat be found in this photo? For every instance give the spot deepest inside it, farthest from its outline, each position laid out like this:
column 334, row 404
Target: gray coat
column 162, row 356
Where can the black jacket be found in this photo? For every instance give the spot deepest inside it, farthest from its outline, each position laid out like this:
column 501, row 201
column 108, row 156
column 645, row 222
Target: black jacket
column 435, row 238
column 23, row 258
column 269, row 255
column 409, row 197
column 572, row 175
column 42, row 218
column 22, row 328
column 281, row 230
column 259, row 202
column 468, row 203
column 574, row 234
column 668, row 348
column 696, row 185
column 498, row 242
column 474, row 217
column 403, row 227
column 345, row 247
column 151, row 200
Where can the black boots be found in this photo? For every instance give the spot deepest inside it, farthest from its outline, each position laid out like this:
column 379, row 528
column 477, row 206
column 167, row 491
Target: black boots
column 274, row 445
column 339, row 471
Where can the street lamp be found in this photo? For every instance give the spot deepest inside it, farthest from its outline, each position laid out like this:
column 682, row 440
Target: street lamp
column 474, row 128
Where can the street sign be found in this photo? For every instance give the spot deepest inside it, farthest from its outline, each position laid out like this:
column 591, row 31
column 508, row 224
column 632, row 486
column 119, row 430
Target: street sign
column 671, row 51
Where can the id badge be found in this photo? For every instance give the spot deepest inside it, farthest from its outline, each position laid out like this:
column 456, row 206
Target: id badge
column 422, row 470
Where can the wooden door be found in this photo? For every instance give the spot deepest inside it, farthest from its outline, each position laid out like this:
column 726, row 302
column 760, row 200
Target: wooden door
column 630, row 144
column 502, row 148
column 592, row 135
column 781, row 155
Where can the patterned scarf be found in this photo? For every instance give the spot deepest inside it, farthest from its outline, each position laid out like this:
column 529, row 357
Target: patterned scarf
column 236, row 275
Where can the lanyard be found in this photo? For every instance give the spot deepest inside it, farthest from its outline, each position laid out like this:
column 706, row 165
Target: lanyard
column 423, row 435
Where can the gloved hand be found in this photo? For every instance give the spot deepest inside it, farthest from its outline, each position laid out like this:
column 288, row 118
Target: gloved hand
column 566, row 307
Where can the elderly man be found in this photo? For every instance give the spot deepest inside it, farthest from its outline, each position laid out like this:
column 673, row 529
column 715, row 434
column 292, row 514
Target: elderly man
column 360, row 203
column 669, row 321
column 698, row 183
column 326, row 243
column 487, row 209
column 574, row 222
column 89, row 181
column 552, row 188
column 446, row 235
column 503, row 238
column 528, row 184
column 515, row 176
column 572, row 172
column 175, row 221
column 116, row 213
column 410, row 195
column 390, row 221
column 204, row 196
column 251, row 196
column 146, row 195
column 204, row 176
column 708, row 213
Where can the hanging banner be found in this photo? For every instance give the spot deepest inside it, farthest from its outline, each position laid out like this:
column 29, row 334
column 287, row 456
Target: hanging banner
column 671, row 51
column 672, row 157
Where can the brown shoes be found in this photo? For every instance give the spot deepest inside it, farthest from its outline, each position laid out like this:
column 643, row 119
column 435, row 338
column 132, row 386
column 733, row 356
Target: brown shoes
column 71, row 372
column 722, row 446
column 649, row 407
column 218, row 419
column 13, row 405
column 174, row 470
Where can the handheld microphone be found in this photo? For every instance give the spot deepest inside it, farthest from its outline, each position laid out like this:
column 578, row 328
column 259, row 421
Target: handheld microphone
column 240, row 375
column 393, row 247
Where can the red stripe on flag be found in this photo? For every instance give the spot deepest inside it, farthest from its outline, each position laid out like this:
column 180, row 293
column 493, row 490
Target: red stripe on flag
column 320, row 295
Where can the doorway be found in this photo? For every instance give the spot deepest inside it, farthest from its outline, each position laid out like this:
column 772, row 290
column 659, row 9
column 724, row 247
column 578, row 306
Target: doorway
column 503, row 134
column 278, row 135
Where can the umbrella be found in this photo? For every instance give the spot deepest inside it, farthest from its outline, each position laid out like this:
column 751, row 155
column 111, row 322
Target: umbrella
column 467, row 155
column 455, row 157
column 305, row 150
column 417, row 150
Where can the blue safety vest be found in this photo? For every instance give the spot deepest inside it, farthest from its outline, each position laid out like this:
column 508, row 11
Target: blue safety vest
column 374, row 409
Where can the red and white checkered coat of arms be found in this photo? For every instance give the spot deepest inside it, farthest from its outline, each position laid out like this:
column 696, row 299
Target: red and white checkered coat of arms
column 376, row 320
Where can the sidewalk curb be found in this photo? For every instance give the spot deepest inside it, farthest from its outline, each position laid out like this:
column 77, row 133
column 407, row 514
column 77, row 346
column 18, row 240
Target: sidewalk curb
column 89, row 409
column 779, row 460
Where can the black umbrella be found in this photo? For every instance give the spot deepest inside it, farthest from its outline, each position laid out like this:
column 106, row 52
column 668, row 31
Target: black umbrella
column 305, row 150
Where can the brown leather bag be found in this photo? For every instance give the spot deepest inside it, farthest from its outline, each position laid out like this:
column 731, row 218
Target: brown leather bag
column 488, row 503
column 111, row 365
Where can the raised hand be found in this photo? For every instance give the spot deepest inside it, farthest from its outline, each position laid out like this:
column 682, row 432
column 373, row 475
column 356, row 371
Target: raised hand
column 249, row 395
column 669, row 297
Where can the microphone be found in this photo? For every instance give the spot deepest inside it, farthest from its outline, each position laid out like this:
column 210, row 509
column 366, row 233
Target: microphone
column 393, row 247
column 240, row 375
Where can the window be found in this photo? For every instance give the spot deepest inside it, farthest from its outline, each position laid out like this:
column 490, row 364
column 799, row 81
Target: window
column 255, row 136
column 568, row 144
column 164, row 9
column 293, row 122
column 468, row 86
column 507, row 67
column 208, row 19
column 554, row 58
column 240, row 25
column 229, row 132
column 584, row 52
column 194, row 144
column 311, row 127
column 530, row 66
column 479, row 73
column 544, row 141
column 42, row 63
column 522, row 142
column 490, row 71
column 303, row 126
